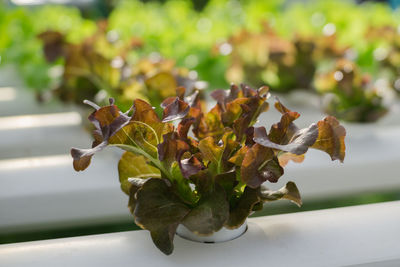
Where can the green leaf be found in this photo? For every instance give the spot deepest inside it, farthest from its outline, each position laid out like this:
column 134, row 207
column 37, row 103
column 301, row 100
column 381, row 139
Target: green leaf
column 134, row 166
column 145, row 113
column 210, row 150
column 238, row 157
column 228, row 181
column 210, row 214
column 139, row 134
column 219, row 154
column 160, row 211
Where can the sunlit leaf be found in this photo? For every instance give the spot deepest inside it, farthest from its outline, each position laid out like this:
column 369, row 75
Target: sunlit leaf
column 331, row 138
column 259, row 165
column 134, row 166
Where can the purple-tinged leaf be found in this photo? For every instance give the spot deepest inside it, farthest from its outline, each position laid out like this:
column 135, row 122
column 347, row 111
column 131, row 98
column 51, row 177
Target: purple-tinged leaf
column 289, row 191
column 175, row 110
column 190, row 166
column 135, row 185
column 183, row 128
column 170, row 149
column 107, row 121
column 140, row 133
column 259, row 165
column 225, row 96
column 159, row 210
column 282, row 131
column 331, row 138
column 180, row 93
column 298, row 143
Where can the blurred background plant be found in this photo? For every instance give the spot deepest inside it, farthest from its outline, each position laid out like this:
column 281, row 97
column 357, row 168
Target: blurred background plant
column 350, row 95
column 18, row 43
column 98, row 68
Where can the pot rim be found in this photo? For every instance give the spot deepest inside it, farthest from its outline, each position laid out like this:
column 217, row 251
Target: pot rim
column 222, row 235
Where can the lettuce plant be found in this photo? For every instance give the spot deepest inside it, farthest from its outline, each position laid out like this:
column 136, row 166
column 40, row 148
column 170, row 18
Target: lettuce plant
column 284, row 64
column 212, row 176
column 18, row 43
column 99, row 67
column 385, row 50
column 349, row 94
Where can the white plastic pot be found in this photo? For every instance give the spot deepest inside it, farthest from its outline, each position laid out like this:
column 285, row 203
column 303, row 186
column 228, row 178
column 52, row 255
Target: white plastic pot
column 222, row 235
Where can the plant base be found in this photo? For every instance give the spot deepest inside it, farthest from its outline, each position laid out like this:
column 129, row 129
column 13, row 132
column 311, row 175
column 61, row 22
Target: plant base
column 222, row 235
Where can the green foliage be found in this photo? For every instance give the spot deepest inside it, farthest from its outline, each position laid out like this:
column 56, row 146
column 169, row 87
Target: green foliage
column 102, row 66
column 19, row 45
column 176, row 30
column 285, row 65
column 214, row 176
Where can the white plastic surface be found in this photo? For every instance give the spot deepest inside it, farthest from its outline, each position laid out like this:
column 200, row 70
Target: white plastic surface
column 39, row 190
column 360, row 235
column 55, row 196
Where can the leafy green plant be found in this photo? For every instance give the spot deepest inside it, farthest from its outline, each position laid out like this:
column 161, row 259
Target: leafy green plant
column 350, row 95
column 194, row 33
column 99, row 67
column 285, row 65
column 19, row 45
column 384, row 44
column 212, row 177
